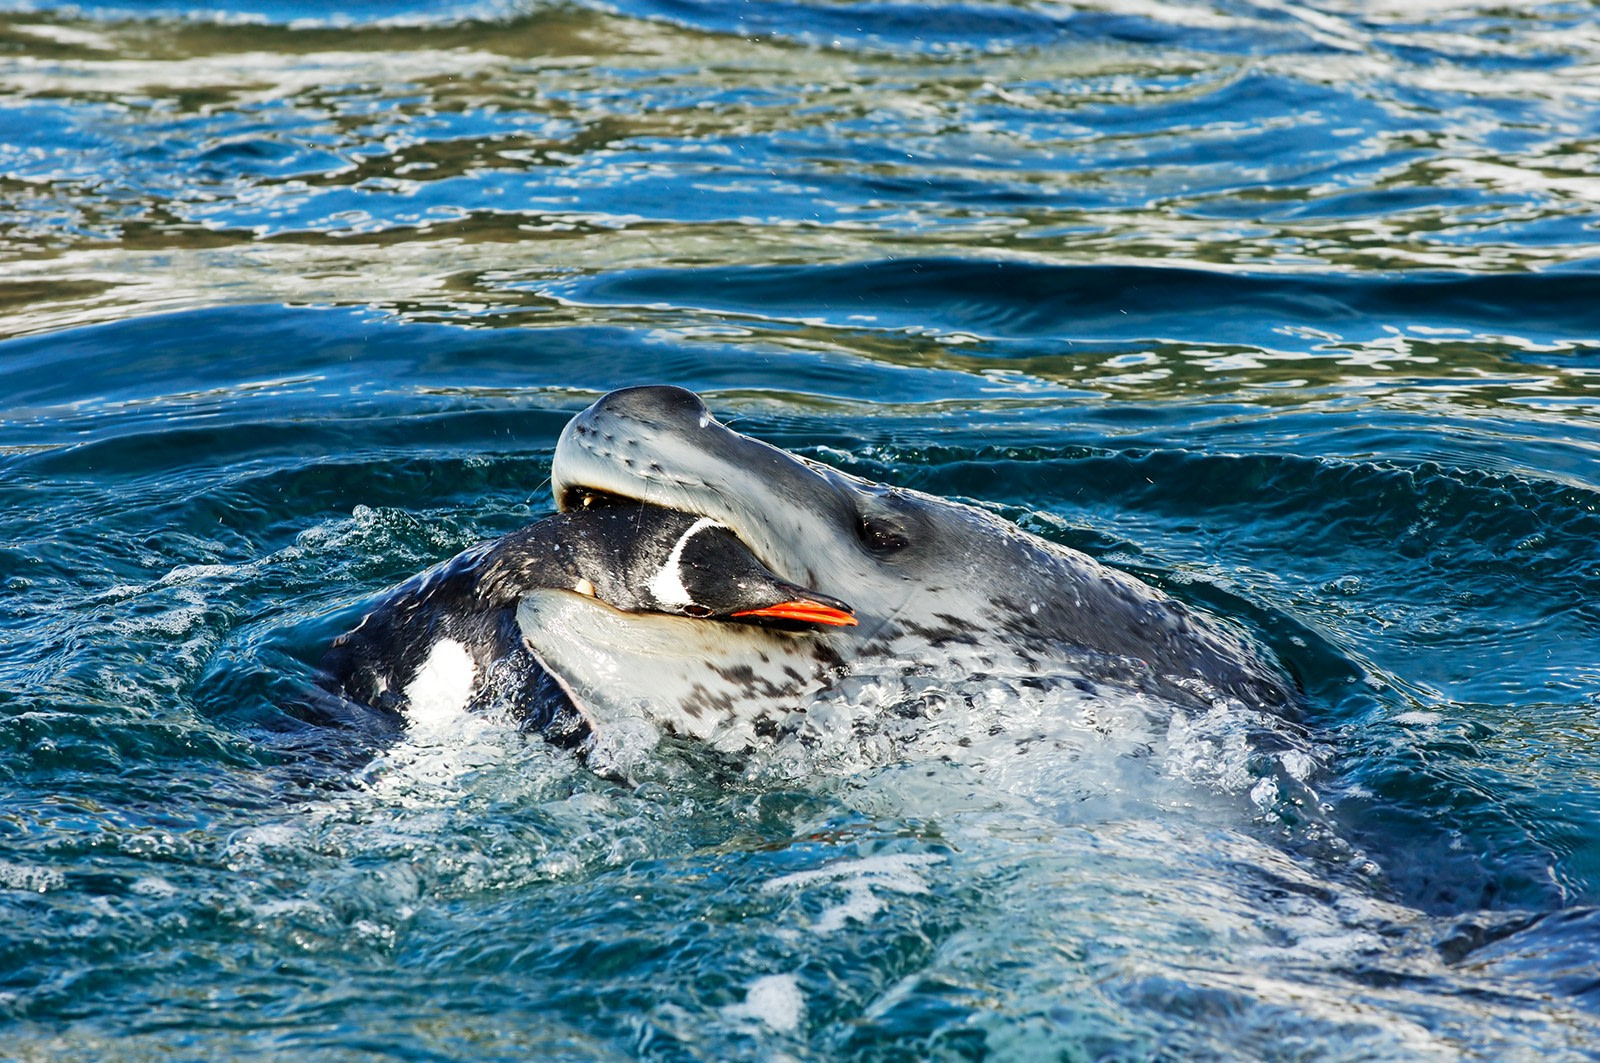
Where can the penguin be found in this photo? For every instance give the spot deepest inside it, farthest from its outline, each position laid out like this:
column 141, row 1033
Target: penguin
column 448, row 640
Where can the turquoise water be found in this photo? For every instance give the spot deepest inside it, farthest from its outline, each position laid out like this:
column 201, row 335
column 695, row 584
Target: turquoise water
column 1291, row 309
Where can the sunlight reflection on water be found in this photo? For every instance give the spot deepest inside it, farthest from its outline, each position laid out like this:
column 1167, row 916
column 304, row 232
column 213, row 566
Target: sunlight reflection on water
column 1288, row 308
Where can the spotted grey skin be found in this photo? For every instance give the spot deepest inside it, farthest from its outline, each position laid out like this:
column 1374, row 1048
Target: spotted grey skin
column 930, row 579
column 633, row 557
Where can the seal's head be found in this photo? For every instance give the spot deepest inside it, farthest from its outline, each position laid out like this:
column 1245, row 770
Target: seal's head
column 928, row 578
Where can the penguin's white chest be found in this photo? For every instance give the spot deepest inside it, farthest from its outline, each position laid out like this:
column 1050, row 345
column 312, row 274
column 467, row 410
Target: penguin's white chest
column 442, row 687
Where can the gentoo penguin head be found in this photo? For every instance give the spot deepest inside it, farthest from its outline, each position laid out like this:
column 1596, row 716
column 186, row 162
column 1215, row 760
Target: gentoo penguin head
column 708, row 573
column 641, row 558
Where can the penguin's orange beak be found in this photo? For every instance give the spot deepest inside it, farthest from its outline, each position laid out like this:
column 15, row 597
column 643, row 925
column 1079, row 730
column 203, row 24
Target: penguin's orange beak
column 805, row 611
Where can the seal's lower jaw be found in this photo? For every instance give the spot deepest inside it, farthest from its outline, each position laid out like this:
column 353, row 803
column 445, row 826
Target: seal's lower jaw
column 713, row 682
column 578, row 496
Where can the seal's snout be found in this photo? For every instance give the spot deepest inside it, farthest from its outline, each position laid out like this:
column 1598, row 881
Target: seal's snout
column 656, row 404
column 622, row 442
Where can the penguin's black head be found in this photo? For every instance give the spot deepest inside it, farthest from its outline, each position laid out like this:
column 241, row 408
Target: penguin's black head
column 722, row 580
column 643, row 558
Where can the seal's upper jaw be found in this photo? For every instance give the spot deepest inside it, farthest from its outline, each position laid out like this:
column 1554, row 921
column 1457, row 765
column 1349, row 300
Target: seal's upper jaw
column 661, row 445
column 615, row 450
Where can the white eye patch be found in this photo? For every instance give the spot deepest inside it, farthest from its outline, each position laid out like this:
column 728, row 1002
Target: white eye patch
column 667, row 583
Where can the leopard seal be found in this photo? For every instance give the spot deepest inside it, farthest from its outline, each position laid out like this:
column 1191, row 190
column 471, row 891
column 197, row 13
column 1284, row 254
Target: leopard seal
column 930, row 579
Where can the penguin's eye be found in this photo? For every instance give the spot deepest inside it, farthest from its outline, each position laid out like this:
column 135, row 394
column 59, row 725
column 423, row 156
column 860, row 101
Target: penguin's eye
column 697, row 610
column 881, row 536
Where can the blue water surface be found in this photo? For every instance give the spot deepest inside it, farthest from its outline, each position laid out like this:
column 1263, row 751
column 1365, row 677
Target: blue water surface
column 1290, row 309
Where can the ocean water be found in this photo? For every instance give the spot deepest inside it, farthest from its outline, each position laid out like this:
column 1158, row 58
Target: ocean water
column 1292, row 309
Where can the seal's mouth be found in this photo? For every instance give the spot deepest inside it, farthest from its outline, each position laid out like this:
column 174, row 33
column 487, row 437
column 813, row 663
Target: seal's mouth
column 579, row 497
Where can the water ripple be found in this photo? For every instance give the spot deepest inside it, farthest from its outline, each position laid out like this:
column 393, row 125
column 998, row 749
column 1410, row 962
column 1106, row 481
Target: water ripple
column 1287, row 307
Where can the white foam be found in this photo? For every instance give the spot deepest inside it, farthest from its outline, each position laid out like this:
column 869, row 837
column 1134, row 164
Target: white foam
column 1265, row 793
column 1298, row 764
column 153, row 886
column 32, row 879
column 186, row 574
column 286, row 906
column 437, row 755
column 895, row 873
column 1213, row 748
column 623, row 746
column 775, row 1000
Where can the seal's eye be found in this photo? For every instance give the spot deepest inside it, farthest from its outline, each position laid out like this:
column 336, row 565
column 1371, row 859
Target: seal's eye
column 881, row 536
